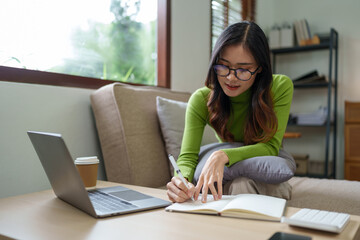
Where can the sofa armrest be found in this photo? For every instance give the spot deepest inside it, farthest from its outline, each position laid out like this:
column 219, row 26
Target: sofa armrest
column 129, row 132
column 325, row 194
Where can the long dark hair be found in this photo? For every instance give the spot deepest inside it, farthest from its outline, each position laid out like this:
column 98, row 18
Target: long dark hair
column 261, row 122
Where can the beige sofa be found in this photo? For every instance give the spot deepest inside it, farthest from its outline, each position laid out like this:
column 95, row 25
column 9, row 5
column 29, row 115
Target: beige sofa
column 134, row 151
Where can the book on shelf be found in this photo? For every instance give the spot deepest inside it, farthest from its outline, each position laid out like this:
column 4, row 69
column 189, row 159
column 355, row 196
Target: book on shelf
column 306, row 27
column 303, row 33
column 311, row 80
column 312, row 73
column 249, row 206
column 298, row 33
column 311, row 77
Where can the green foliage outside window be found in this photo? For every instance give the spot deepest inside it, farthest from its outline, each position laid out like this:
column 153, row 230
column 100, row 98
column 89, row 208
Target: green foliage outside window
column 122, row 51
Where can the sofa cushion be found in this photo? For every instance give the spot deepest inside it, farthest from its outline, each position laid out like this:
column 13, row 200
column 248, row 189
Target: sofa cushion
column 130, row 135
column 264, row 169
column 171, row 115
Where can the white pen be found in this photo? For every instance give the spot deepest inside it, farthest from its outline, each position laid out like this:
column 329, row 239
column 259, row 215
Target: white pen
column 177, row 170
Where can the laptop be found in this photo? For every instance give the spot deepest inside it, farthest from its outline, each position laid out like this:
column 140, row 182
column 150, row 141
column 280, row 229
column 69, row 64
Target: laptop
column 69, row 187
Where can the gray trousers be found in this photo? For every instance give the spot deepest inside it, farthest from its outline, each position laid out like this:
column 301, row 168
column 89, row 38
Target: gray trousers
column 247, row 185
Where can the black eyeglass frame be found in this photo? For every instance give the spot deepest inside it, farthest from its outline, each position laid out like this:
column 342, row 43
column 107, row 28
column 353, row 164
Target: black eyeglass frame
column 235, row 69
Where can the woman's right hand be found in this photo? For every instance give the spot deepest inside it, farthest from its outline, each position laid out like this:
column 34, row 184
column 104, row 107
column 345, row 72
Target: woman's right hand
column 178, row 192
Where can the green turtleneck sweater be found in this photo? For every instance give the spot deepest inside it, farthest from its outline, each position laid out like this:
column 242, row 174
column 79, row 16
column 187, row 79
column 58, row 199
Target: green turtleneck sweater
column 197, row 116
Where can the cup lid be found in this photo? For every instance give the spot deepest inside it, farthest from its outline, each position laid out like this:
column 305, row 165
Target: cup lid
column 87, row 160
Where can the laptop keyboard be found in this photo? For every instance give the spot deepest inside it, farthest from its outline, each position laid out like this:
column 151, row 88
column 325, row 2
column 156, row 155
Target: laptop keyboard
column 107, row 203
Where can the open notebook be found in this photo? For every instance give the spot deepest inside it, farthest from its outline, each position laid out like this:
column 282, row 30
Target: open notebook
column 250, row 206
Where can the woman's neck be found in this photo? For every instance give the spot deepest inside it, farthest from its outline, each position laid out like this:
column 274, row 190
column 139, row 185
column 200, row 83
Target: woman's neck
column 243, row 97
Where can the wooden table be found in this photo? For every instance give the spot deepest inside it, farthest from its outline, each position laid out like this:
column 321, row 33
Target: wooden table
column 41, row 215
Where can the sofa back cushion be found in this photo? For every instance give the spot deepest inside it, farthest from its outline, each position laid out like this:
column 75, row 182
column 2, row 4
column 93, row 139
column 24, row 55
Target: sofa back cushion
column 129, row 132
column 171, row 115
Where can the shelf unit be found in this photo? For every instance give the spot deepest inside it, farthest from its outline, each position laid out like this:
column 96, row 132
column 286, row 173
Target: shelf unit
column 332, row 47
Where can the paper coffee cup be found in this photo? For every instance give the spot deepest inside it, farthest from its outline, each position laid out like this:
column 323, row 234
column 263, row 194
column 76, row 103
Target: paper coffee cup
column 88, row 169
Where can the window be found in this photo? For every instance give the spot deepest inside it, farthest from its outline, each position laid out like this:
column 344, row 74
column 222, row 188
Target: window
column 107, row 39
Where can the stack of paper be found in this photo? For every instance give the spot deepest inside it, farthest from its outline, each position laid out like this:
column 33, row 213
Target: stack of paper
column 315, row 118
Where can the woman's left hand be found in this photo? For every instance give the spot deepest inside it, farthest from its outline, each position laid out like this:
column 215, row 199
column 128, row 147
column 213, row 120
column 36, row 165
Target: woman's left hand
column 212, row 172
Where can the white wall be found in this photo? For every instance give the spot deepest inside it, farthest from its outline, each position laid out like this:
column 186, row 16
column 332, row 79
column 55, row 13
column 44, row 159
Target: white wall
column 190, row 44
column 41, row 108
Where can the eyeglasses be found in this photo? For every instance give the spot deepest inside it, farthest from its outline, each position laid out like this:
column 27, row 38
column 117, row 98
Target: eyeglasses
column 240, row 73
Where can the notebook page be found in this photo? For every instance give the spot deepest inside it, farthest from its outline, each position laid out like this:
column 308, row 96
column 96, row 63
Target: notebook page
column 262, row 204
column 211, row 204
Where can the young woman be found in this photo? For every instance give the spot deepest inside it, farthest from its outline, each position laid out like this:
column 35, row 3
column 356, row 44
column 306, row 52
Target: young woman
column 242, row 101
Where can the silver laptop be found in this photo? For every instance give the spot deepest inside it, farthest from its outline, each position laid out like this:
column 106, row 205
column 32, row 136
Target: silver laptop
column 68, row 186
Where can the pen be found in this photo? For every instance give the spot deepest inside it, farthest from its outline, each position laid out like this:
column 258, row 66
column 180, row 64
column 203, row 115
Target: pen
column 177, row 170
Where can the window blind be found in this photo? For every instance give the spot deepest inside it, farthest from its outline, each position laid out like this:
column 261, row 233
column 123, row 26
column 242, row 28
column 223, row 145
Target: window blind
column 223, row 14
column 227, row 12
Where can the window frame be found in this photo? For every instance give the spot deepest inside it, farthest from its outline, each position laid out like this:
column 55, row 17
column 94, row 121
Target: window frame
column 21, row 75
